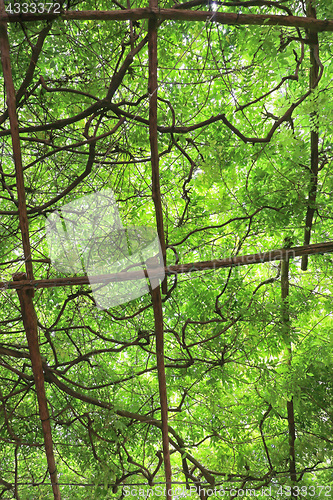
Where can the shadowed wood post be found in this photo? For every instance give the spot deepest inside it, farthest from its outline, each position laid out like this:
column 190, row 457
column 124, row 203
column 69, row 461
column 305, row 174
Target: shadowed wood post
column 285, row 319
column 25, row 295
column 11, row 103
column 156, row 193
column 30, row 325
column 314, row 134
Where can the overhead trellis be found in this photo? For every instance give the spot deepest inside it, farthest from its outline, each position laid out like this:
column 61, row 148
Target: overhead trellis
column 120, row 112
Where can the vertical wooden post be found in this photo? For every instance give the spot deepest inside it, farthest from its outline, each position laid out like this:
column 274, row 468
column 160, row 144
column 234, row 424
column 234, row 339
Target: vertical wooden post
column 156, row 293
column 158, row 319
column 153, row 138
column 25, row 296
column 11, row 103
column 30, row 325
column 314, row 134
column 286, row 335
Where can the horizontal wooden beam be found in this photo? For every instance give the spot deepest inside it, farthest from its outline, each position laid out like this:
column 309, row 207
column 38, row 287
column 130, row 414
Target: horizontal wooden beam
column 244, row 260
column 229, row 18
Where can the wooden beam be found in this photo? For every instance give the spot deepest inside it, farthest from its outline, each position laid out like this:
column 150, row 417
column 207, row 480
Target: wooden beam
column 242, row 260
column 229, row 18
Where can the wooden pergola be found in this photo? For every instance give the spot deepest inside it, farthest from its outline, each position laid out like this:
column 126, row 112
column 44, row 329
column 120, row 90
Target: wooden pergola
column 26, row 283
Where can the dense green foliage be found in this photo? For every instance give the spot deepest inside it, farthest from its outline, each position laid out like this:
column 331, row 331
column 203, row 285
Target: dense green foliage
column 229, row 369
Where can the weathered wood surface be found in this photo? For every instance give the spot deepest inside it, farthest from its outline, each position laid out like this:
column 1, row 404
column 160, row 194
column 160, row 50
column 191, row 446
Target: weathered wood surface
column 242, row 260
